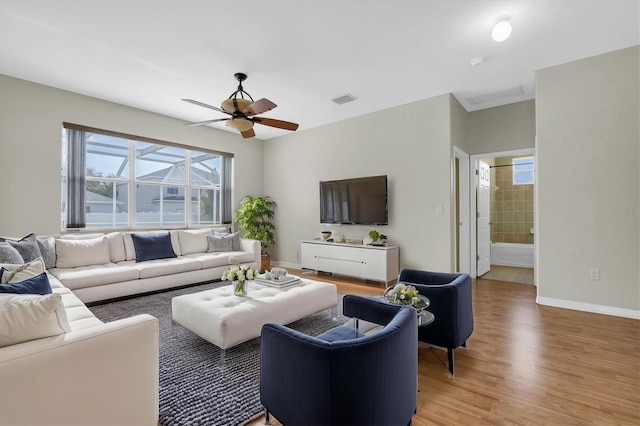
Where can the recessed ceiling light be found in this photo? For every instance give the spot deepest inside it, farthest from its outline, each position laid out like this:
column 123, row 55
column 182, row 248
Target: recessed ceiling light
column 502, row 30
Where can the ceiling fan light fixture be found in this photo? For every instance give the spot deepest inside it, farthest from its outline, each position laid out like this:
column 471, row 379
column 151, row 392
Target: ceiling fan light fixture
column 240, row 124
column 228, row 106
column 243, row 112
column 502, row 29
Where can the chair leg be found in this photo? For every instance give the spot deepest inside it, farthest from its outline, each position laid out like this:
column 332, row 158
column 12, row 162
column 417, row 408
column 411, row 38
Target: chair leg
column 451, row 363
column 267, row 418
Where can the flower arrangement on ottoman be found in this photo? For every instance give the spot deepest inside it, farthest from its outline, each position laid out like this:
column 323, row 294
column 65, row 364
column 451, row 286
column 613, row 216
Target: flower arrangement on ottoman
column 238, row 275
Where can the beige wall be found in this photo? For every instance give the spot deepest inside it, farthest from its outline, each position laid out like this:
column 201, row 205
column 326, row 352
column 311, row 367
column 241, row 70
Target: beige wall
column 459, row 125
column 503, row 128
column 587, row 117
column 31, row 117
column 410, row 143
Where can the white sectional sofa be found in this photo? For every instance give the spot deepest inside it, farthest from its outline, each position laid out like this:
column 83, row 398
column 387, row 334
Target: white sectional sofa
column 85, row 373
column 107, row 268
column 59, row 364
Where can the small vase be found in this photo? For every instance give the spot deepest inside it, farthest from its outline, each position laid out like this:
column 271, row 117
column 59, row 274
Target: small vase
column 240, row 288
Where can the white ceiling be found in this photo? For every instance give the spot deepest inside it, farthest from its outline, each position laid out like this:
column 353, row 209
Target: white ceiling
column 302, row 54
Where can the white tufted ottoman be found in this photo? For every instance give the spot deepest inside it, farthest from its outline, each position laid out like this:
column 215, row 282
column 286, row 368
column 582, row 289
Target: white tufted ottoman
column 225, row 320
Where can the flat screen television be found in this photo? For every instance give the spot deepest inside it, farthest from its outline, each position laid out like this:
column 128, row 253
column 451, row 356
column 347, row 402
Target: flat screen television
column 354, row 201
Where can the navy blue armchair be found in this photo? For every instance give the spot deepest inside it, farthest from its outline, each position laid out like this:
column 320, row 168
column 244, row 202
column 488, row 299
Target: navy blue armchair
column 450, row 296
column 364, row 380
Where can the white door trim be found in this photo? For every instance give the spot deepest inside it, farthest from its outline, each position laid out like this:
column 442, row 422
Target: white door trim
column 463, row 206
column 483, row 218
column 473, row 205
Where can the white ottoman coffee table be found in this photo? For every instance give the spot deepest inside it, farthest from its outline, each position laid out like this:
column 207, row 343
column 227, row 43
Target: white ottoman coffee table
column 226, row 320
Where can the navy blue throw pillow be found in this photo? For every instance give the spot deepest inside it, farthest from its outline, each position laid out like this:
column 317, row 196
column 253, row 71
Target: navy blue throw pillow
column 152, row 246
column 36, row 285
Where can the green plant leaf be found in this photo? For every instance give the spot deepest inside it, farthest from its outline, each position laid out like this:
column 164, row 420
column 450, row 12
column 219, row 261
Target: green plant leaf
column 254, row 217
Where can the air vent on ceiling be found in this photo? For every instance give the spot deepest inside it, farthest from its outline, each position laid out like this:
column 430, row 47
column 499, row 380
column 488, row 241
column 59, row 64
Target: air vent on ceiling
column 344, row 99
column 496, row 96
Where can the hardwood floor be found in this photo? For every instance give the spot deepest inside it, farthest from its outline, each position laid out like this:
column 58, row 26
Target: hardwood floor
column 527, row 364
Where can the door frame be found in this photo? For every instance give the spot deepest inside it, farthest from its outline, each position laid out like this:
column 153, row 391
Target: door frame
column 474, row 193
column 462, row 204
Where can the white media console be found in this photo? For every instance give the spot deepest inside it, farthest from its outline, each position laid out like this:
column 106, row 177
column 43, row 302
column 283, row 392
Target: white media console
column 366, row 262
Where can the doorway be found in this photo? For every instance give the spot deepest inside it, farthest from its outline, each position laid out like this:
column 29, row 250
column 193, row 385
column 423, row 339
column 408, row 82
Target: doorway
column 503, row 236
column 462, row 213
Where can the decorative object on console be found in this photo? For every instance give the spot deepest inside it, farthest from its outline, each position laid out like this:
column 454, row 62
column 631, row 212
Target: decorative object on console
column 374, row 235
column 338, row 238
column 254, row 216
column 243, row 112
column 325, row 235
column 353, row 240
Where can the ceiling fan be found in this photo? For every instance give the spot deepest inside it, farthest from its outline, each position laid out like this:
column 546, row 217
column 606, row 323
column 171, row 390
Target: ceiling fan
column 243, row 112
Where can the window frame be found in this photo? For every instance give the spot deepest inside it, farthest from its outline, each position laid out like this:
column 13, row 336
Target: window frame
column 225, row 186
column 519, row 172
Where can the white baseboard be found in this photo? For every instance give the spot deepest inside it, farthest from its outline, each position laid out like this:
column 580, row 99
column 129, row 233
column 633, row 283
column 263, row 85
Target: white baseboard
column 286, row 264
column 589, row 307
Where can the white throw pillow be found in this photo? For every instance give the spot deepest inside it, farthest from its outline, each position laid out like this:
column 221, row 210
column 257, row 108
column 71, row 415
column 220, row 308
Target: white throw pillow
column 28, row 317
column 116, row 247
column 74, row 253
column 17, row 273
column 193, row 241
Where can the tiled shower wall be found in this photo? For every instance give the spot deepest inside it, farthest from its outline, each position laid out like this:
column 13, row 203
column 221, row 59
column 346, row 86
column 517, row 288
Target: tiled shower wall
column 511, row 206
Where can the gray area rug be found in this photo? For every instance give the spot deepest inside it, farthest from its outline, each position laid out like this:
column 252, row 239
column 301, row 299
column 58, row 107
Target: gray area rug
column 196, row 388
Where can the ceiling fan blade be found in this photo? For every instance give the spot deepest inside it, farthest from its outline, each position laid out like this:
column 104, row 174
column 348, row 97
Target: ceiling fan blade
column 275, row 123
column 201, row 123
column 259, row 106
column 191, row 101
column 248, row 133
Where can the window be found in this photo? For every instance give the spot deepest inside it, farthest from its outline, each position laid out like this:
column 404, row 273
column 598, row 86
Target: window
column 113, row 180
column 523, row 170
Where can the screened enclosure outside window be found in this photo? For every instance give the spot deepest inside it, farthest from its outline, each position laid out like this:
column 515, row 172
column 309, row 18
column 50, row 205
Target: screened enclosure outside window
column 523, row 170
column 112, row 180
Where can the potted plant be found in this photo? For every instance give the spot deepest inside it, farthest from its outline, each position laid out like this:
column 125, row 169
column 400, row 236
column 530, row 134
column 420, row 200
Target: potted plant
column 374, row 235
column 254, row 216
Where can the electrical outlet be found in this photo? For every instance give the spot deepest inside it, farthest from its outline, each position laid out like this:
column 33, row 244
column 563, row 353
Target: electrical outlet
column 594, row 274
